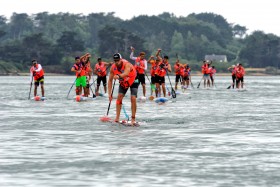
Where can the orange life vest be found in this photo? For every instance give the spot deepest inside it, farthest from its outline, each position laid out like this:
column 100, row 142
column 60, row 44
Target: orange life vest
column 127, row 81
column 153, row 68
column 100, row 69
column 186, row 72
column 161, row 71
column 205, row 69
column 38, row 74
column 87, row 68
column 139, row 65
column 80, row 66
column 240, row 72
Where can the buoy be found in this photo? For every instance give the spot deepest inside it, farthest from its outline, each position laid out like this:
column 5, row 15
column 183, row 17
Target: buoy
column 78, row 98
column 37, row 98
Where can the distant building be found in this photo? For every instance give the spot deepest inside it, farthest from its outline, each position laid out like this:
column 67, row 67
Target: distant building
column 216, row 58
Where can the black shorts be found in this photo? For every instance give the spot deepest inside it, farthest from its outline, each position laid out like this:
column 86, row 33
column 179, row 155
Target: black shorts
column 103, row 79
column 178, row 78
column 40, row 80
column 186, row 78
column 159, row 79
column 133, row 89
column 153, row 79
column 141, row 78
column 240, row 79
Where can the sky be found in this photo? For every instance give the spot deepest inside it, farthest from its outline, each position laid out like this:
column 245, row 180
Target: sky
column 263, row 15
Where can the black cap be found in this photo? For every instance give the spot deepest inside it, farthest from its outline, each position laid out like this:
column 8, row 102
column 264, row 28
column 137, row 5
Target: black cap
column 34, row 61
column 98, row 59
column 166, row 57
column 77, row 57
column 117, row 56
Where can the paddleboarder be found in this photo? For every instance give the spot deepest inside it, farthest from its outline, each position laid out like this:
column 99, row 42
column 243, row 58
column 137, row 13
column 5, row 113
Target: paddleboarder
column 125, row 72
column 37, row 72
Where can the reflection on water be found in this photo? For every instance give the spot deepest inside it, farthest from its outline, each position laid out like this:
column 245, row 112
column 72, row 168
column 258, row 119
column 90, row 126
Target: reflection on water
column 215, row 137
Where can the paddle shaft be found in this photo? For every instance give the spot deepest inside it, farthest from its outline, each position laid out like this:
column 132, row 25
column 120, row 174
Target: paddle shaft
column 173, row 91
column 199, row 82
column 30, row 88
column 71, row 88
column 111, row 97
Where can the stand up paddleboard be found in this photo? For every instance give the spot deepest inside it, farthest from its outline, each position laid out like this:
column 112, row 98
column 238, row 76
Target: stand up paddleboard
column 38, row 98
column 142, row 99
column 103, row 95
column 161, row 99
column 80, row 98
column 128, row 123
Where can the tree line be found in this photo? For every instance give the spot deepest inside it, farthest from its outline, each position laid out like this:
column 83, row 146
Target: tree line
column 55, row 39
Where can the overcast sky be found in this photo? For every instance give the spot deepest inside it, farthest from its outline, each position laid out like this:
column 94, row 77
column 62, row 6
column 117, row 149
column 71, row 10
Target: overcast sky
column 261, row 15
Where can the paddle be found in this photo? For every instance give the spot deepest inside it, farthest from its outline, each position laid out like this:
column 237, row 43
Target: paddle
column 192, row 84
column 93, row 95
column 173, row 93
column 106, row 118
column 71, row 88
column 229, row 87
column 199, row 82
column 30, row 87
column 125, row 112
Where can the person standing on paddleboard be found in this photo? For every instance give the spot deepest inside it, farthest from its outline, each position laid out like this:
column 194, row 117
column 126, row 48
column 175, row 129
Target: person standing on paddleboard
column 212, row 71
column 140, row 66
column 206, row 73
column 37, row 72
column 125, row 72
column 240, row 72
column 179, row 69
column 88, row 70
column 161, row 70
column 186, row 76
column 232, row 69
column 154, row 64
column 100, row 71
column 81, row 82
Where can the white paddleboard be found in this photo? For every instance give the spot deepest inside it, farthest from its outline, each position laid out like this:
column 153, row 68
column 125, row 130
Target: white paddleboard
column 128, row 123
column 103, row 95
column 142, row 99
column 80, row 98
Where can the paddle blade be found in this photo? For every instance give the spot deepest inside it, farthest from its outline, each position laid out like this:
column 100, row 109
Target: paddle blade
column 229, row 87
column 198, row 85
column 105, row 119
column 173, row 93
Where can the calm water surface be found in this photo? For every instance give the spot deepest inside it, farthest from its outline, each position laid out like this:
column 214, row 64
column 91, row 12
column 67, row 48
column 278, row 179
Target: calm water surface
column 215, row 137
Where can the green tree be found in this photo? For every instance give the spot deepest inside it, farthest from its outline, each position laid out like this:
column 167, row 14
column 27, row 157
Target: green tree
column 70, row 43
column 177, row 44
column 21, row 24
